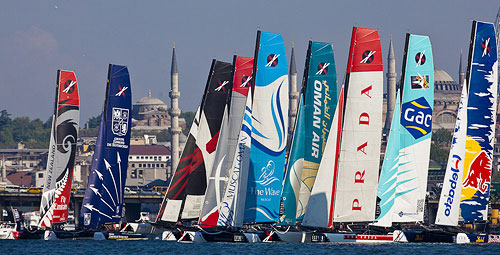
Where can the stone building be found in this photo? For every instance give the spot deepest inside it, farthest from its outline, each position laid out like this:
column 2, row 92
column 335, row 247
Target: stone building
column 150, row 113
column 147, row 163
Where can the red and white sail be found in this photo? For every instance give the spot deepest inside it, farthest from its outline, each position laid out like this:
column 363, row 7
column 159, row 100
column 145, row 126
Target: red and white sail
column 62, row 151
column 359, row 159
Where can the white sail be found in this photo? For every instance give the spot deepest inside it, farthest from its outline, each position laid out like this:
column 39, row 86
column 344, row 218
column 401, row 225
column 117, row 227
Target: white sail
column 449, row 202
column 320, row 207
column 232, row 205
column 359, row 161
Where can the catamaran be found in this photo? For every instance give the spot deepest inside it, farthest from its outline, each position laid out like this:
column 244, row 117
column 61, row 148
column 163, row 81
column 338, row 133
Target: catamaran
column 317, row 102
column 344, row 191
column 466, row 185
column 62, row 153
column 102, row 206
column 184, row 199
column 403, row 180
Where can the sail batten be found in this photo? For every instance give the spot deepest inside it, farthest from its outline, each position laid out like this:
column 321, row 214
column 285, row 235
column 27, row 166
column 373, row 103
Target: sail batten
column 223, row 175
column 317, row 104
column 62, row 151
column 482, row 78
column 269, row 129
column 359, row 156
column 110, row 160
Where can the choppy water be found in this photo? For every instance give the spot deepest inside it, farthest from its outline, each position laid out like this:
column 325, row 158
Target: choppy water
column 161, row 247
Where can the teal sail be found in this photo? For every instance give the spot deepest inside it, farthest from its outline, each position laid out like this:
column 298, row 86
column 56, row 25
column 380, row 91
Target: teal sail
column 417, row 101
column 318, row 102
column 388, row 175
column 294, row 166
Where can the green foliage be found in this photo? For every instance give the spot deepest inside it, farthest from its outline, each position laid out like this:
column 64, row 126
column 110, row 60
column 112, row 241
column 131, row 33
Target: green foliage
column 33, row 133
column 189, row 117
column 94, row 122
column 441, row 139
column 442, row 136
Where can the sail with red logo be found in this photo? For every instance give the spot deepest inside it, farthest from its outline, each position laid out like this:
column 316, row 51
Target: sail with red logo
column 359, row 158
column 62, row 151
column 187, row 188
column 226, row 147
column 482, row 78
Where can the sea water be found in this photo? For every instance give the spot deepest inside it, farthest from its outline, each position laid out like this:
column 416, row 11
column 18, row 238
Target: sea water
column 68, row 247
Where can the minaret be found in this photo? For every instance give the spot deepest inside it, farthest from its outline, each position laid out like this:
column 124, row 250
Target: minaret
column 294, row 95
column 461, row 73
column 391, row 88
column 4, row 173
column 174, row 113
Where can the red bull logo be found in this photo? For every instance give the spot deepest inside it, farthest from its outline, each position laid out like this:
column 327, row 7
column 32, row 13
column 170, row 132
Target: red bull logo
column 479, row 175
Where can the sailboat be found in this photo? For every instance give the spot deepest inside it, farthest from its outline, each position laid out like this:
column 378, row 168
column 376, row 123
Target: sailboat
column 317, row 102
column 184, row 199
column 62, row 152
column 465, row 193
column 344, row 191
column 102, row 205
column 222, row 214
column 403, row 180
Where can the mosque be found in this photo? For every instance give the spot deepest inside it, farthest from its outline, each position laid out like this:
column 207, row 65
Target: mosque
column 150, row 113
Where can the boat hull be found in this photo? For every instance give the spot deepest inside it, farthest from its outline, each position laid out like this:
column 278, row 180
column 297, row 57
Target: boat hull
column 73, row 235
column 99, row 236
column 222, row 236
column 423, row 236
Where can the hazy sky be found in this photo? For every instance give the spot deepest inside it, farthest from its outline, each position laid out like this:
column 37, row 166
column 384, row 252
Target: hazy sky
column 40, row 36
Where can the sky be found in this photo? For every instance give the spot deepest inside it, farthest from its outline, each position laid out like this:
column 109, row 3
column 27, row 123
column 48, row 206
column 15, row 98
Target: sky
column 38, row 37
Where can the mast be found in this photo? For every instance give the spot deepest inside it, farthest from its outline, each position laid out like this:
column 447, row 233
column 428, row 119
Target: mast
column 62, row 151
column 269, row 129
column 103, row 201
column 359, row 157
column 482, row 79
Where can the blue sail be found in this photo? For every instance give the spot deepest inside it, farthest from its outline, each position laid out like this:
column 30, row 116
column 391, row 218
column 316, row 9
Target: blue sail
column 103, row 201
column 482, row 78
column 269, row 129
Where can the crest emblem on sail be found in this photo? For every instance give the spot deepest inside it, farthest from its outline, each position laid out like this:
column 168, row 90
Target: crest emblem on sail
column 103, row 201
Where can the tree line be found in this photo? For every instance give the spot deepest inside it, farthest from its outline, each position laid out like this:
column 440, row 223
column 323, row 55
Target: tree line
column 35, row 134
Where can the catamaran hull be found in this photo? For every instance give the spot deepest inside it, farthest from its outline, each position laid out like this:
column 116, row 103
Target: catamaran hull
column 99, row 236
column 223, row 236
column 73, row 235
column 477, row 238
column 288, row 237
column 423, row 236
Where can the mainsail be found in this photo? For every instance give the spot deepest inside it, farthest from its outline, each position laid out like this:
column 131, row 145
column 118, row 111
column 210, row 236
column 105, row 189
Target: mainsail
column 231, row 208
column 417, row 101
column 317, row 103
column 228, row 141
column 319, row 211
column 482, row 75
column 187, row 188
column 103, row 201
column 62, row 150
column 359, row 160
column 269, row 129
column 389, row 173
column 449, row 205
